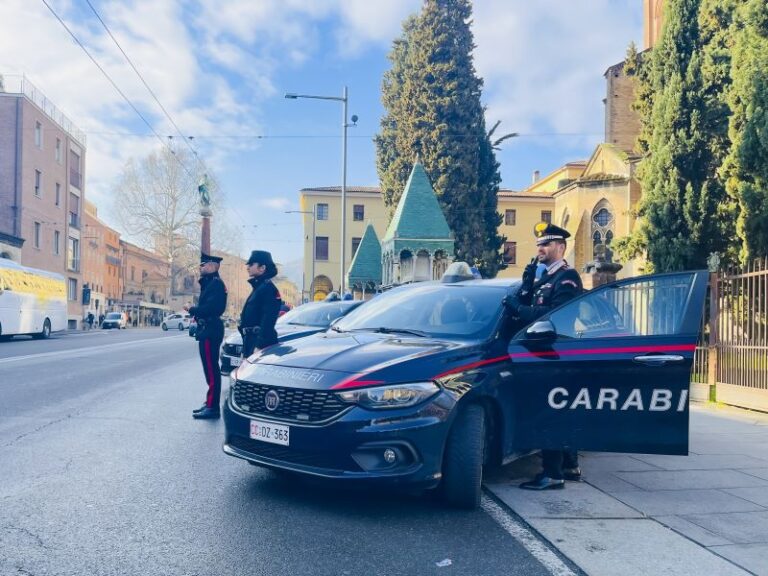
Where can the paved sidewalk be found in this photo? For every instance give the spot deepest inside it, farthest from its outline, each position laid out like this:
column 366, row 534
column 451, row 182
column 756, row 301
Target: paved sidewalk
column 706, row 513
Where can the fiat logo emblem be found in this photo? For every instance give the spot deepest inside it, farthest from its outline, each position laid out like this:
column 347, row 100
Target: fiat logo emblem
column 271, row 400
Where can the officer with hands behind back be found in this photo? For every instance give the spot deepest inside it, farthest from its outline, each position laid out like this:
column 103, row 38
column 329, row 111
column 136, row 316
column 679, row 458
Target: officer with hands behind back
column 557, row 285
column 210, row 331
column 260, row 311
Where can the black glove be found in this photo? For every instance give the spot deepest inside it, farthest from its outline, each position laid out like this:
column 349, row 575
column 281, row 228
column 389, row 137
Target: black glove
column 512, row 304
column 529, row 274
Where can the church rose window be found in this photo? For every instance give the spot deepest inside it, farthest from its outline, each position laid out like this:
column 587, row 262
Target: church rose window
column 602, row 230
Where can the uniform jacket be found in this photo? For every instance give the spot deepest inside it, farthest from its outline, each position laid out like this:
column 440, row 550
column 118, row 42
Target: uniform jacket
column 261, row 311
column 549, row 292
column 211, row 305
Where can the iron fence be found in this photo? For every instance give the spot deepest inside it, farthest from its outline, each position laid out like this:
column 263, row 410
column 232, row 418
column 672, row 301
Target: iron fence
column 732, row 356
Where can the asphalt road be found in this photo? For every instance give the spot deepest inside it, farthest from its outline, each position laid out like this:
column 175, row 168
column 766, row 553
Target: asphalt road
column 103, row 471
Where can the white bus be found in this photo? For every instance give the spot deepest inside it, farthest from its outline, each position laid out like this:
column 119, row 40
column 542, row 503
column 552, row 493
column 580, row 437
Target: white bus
column 32, row 301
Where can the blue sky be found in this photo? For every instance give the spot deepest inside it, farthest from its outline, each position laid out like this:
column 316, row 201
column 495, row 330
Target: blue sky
column 221, row 68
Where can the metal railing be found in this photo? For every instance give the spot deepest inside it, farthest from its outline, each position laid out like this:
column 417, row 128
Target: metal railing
column 733, row 353
column 20, row 84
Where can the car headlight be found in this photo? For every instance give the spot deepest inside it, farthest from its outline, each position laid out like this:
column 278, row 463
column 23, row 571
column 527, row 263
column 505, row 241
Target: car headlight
column 395, row 396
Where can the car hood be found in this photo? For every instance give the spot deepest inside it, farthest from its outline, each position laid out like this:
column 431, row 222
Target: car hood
column 332, row 360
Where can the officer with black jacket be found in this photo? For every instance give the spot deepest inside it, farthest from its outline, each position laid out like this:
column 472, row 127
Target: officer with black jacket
column 210, row 331
column 260, row 311
column 558, row 284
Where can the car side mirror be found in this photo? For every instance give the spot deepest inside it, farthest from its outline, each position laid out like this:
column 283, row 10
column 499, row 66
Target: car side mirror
column 541, row 331
column 335, row 321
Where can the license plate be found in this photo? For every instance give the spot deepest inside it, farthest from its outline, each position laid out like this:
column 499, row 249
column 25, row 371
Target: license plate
column 235, row 360
column 269, row 432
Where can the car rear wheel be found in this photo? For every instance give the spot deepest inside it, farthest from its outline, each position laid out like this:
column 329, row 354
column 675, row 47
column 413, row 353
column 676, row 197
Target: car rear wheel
column 164, row 327
column 463, row 458
column 181, row 326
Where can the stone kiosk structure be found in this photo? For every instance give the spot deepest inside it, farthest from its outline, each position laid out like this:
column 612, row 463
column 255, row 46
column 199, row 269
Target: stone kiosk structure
column 364, row 275
column 418, row 244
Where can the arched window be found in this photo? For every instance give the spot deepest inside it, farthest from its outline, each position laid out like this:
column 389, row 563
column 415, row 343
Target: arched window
column 603, row 223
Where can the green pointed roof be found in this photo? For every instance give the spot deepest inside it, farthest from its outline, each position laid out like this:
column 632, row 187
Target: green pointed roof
column 366, row 263
column 418, row 214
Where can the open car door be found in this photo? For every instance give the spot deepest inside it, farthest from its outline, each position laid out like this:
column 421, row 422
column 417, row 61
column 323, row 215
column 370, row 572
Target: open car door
column 610, row 370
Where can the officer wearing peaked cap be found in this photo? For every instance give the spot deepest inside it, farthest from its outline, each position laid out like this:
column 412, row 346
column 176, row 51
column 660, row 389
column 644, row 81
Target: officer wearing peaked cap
column 557, row 285
column 210, row 331
column 260, row 311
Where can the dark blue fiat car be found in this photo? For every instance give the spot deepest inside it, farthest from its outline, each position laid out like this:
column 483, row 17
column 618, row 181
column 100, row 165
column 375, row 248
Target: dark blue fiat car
column 427, row 384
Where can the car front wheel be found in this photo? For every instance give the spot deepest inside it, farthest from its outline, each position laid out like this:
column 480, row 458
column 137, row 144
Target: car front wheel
column 164, row 327
column 181, row 326
column 463, row 458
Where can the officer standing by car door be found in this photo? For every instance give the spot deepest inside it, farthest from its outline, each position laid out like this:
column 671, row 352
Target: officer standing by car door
column 261, row 309
column 558, row 284
column 210, row 331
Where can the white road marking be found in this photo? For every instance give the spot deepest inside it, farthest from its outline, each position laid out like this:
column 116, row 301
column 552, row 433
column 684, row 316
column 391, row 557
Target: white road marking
column 528, row 539
column 77, row 352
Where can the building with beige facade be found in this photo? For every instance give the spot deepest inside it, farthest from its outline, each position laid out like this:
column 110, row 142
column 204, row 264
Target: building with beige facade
column 520, row 211
column 322, row 253
column 146, row 284
column 42, row 187
column 101, row 263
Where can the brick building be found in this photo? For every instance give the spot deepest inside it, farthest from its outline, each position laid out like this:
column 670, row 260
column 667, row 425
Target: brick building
column 42, row 187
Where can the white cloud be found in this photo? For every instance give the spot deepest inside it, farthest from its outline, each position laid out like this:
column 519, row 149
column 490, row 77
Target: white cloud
column 543, row 61
column 276, row 203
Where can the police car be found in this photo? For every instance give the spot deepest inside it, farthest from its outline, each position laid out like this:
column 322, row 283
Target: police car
column 302, row 321
column 427, row 384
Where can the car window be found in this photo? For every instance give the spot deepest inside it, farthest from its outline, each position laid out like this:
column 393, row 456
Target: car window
column 317, row 314
column 443, row 310
column 654, row 307
column 113, row 316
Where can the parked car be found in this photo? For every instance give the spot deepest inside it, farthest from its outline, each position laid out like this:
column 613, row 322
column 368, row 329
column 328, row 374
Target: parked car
column 114, row 320
column 176, row 322
column 301, row 321
column 428, row 384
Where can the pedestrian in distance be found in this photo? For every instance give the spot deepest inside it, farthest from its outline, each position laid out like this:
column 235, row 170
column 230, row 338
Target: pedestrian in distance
column 557, row 284
column 261, row 309
column 210, row 332
column 101, row 319
column 91, row 318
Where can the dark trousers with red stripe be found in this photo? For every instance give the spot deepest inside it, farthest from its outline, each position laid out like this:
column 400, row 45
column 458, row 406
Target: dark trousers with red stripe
column 209, row 355
column 555, row 460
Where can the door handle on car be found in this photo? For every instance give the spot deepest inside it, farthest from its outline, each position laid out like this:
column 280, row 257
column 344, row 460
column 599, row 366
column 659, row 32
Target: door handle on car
column 659, row 359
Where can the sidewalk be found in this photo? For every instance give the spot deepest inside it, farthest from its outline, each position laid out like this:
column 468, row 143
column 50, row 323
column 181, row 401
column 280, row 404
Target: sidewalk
column 639, row 514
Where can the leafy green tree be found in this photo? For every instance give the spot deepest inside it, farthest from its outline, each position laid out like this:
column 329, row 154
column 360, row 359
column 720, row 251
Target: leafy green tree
column 433, row 112
column 680, row 222
column 746, row 167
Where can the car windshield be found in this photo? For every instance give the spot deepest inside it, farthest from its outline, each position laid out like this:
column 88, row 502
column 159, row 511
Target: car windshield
column 318, row 314
column 113, row 316
column 440, row 310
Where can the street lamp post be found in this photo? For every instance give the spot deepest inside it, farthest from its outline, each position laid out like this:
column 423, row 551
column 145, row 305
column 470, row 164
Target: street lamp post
column 313, row 213
column 344, row 99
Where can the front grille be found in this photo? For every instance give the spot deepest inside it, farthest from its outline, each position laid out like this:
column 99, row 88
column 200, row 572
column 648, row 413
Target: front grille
column 295, row 404
column 233, row 349
column 326, row 460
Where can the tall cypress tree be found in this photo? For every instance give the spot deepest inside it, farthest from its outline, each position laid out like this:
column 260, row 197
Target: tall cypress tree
column 747, row 164
column 433, row 111
column 680, row 192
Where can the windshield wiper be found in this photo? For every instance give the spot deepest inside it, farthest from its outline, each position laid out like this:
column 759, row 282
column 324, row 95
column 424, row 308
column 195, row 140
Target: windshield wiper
column 385, row 330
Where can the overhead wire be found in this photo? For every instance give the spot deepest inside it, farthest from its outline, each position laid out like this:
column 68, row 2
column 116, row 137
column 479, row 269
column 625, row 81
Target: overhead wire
column 143, row 81
column 154, row 133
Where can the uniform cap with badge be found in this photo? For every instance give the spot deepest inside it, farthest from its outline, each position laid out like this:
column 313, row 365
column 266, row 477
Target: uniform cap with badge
column 545, row 232
column 205, row 258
